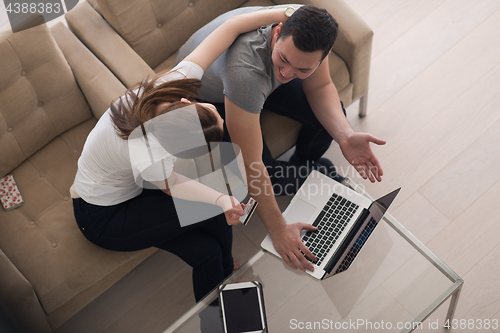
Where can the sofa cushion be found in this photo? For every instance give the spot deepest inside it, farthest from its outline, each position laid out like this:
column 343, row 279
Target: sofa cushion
column 155, row 28
column 166, row 64
column 39, row 98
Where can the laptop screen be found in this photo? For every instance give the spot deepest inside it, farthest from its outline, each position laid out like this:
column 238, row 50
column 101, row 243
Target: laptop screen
column 363, row 229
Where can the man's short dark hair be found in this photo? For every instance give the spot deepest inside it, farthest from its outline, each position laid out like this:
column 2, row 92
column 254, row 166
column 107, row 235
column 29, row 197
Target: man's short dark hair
column 312, row 29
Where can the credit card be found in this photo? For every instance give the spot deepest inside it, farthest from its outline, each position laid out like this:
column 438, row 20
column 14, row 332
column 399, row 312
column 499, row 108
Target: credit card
column 248, row 211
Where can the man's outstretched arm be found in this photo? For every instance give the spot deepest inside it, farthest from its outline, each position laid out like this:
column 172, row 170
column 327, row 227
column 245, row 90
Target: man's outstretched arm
column 244, row 129
column 325, row 103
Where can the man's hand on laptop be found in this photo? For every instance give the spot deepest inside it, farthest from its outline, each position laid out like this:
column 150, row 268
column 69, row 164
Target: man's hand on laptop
column 289, row 245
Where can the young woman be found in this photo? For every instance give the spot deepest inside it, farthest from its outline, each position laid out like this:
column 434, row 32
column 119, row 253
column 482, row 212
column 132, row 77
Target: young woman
column 113, row 212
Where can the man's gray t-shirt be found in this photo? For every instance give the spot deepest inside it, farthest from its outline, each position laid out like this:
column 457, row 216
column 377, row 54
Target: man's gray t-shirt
column 244, row 73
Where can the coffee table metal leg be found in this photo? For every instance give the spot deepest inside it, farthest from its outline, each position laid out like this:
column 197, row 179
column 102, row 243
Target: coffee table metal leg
column 453, row 303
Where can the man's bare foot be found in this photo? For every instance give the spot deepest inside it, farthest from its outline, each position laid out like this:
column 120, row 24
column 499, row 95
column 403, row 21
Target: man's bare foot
column 236, row 266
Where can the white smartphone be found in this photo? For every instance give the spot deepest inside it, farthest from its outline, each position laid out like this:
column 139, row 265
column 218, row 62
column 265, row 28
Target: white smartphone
column 242, row 307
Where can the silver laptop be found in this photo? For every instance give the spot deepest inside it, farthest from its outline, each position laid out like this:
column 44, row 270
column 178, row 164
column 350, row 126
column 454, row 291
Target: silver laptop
column 345, row 219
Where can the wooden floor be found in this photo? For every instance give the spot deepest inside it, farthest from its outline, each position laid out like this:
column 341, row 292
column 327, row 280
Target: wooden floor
column 435, row 97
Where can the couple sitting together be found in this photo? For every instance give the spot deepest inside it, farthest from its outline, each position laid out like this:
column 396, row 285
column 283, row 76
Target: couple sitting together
column 241, row 62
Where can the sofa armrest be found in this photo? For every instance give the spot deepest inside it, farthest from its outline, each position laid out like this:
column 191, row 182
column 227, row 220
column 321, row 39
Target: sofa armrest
column 19, row 296
column 107, row 45
column 97, row 83
column 353, row 44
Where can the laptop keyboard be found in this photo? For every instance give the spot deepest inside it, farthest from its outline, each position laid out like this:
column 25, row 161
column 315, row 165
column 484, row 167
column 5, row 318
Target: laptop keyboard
column 330, row 222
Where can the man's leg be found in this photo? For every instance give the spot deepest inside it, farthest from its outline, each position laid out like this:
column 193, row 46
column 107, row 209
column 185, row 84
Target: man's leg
column 286, row 177
column 290, row 101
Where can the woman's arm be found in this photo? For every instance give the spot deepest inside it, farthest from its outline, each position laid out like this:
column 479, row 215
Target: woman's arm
column 181, row 187
column 222, row 37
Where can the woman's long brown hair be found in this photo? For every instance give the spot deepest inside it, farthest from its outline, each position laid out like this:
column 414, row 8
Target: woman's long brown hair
column 134, row 109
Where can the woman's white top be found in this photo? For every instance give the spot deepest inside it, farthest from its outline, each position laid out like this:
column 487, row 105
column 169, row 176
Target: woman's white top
column 111, row 170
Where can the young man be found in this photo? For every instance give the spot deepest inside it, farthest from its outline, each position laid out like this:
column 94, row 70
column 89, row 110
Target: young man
column 280, row 67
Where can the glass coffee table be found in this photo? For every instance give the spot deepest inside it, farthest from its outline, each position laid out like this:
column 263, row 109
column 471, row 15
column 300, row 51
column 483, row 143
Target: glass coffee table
column 394, row 284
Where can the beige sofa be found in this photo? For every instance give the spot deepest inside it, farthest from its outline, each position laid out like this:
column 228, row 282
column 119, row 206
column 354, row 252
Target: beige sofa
column 52, row 92
column 136, row 38
column 51, row 95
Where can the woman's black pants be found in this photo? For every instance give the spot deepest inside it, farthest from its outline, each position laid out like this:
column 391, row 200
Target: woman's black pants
column 150, row 220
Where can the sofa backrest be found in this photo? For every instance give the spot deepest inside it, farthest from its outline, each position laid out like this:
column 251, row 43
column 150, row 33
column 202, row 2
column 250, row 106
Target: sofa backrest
column 169, row 23
column 39, row 97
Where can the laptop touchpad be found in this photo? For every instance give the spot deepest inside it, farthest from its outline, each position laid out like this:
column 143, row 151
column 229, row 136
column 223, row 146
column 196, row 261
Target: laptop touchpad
column 300, row 211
